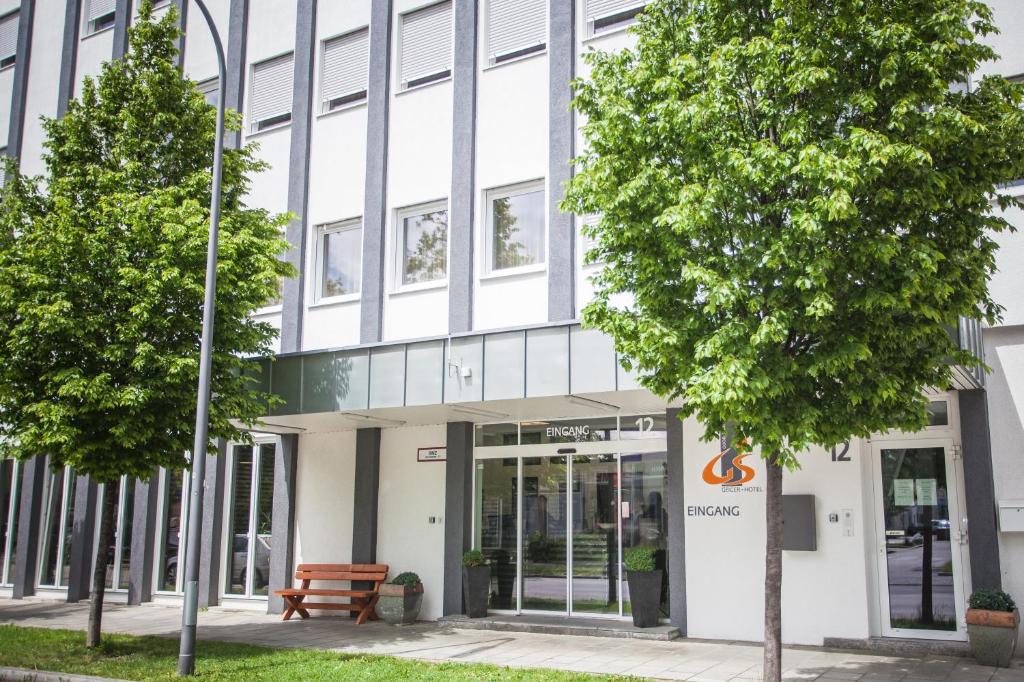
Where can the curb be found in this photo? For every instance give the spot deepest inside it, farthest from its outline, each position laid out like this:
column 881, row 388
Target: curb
column 25, row 675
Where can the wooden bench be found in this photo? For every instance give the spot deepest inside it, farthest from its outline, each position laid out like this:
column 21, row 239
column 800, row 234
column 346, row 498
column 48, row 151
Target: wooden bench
column 360, row 600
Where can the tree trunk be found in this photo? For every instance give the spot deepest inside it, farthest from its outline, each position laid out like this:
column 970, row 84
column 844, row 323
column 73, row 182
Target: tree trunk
column 99, row 574
column 773, row 573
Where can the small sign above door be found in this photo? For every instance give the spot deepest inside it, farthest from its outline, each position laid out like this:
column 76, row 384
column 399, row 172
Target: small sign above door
column 438, row 454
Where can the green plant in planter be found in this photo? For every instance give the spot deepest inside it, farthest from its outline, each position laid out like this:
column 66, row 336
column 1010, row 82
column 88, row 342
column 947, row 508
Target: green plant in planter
column 639, row 559
column 473, row 558
column 408, row 579
column 991, row 600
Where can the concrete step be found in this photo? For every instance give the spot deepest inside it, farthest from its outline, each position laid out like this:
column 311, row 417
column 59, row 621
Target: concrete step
column 561, row 625
column 899, row 646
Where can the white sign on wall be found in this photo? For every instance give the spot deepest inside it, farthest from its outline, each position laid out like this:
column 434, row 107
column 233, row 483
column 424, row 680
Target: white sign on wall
column 438, row 454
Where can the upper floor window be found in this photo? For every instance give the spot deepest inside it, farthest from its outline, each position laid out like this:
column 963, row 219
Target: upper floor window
column 344, row 70
column 99, row 15
column 270, row 100
column 608, row 15
column 339, row 249
column 515, row 227
column 8, row 40
column 515, row 28
column 210, row 89
column 425, row 49
column 423, row 243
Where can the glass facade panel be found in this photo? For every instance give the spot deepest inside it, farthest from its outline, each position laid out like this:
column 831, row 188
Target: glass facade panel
column 238, row 507
column 497, row 503
column 496, row 434
column 425, row 241
column 264, row 521
column 56, row 540
column 517, row 230
column 644, row 514
column 544, row 534
column 124, row 533
column 569, row 430
column 251, row 508
column 595, row 547
column 10, row 485
column 170, row 537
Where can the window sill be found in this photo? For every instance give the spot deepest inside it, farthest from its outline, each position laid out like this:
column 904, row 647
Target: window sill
column 610, row 32
column 270, row 129
column 419, row 287
column 422, row 86
column 97, row 33
column 340, row 110
column 515, row 60
column 8, row 67
column 521, row 271
column 268, row 310
column 334, row 301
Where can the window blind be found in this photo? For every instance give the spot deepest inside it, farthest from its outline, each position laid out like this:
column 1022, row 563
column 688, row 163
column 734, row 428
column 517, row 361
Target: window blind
column 426, row 47
column 101, row 8
column 8, row 39
column 271, row 98
column 515, row 26
column 345, row 69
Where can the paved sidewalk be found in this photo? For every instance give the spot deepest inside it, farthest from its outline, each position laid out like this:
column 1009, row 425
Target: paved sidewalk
column 700, row 661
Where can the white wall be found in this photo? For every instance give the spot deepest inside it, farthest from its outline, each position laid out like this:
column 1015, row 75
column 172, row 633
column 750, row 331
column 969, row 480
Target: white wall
column 44, row 72
column 93, row 50
column 200, row 58
column 1007, row 285
column 323, row 497
column 1009, row 17
column 410, row 493
column 825, row 592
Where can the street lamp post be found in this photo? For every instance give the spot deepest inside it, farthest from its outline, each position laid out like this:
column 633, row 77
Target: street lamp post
column 190, row 608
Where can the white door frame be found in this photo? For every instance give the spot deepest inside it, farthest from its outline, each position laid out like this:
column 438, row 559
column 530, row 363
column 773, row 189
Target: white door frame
column 954, row 482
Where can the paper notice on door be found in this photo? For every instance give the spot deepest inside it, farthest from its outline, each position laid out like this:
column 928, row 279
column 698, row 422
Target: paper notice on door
column 926, row 491
column 904, row 490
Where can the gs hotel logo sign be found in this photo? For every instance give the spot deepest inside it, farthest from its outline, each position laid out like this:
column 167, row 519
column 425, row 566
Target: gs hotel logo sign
column 727, row 469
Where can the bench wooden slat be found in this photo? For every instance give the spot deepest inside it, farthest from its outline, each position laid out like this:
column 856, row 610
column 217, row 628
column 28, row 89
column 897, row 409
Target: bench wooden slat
column 332, row 606
column 294, row 592
column 339, row 575
column 354, row 568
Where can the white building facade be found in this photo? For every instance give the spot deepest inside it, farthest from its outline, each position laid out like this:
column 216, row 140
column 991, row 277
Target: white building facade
column 439, row 392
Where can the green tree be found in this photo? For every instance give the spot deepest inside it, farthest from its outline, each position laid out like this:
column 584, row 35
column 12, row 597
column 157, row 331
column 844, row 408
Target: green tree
column 796, row 198
column 102, row 265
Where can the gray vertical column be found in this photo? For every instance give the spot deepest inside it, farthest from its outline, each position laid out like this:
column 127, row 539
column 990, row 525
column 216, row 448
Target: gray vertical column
column 460, row 204
column 458, row 511
column 144, row 517
column 365, row 497
column 282, row 557
column 561, row 143
column 69, row 55
column 83, row 538
column 213, row 522
column 30, row 512
column 676, row 505
column 374, row 211
column 15, row 130
column 122, row 20
column 293, row 289
column 979, row 490
column 238, row 31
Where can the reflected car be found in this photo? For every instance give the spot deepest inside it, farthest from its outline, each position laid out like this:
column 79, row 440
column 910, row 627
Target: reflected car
column 239, row 552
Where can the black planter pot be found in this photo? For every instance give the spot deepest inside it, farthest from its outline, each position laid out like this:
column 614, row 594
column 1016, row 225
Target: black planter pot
column 476, row 588
column 644, row 597
column 506, row 574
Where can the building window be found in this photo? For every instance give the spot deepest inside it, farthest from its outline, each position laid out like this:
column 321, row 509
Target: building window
column 344, row 70
column 99, row 15
column 250, row 509
column 210, row 89
column 8, row 40
column 173, row 519
column 515, row 28
column 515, row 227
column 938, row 413
column 54, row 564
column 10, row 486
column 604, row 16
column 426, row 45
column 423, row 244
column 120, row 553
column 339, row 249
column 270, row 100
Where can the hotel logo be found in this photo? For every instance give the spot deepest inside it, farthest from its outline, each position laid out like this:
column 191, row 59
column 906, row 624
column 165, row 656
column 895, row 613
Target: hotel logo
column 728, row 470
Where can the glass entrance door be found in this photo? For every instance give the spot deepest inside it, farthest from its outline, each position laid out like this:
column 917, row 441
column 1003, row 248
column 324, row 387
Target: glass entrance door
column 595, row 534
column 545, row 522
column 920, row 536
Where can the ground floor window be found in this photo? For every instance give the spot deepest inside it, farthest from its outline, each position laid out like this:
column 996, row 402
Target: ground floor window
column 174, row 490
column 54, row 564
column 120, row 552
column 555, row 528
column 10, row 485
column 250, row 518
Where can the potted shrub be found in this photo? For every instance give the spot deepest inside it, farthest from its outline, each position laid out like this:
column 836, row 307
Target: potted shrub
column 992, row 622
column 644, row 586
column 400, row 600
column 476, row 583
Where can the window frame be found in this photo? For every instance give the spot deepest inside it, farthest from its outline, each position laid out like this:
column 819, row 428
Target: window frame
column 319, row 232
column 89, row 26
column 8, row 548
column 164, row 509
column 324, row 107
column 398, row 280
column 617, row 22
column 261, row 447
column 427, row 79
column 10, row 61
column 492, row 60
column 487, row 269
column 257, row 127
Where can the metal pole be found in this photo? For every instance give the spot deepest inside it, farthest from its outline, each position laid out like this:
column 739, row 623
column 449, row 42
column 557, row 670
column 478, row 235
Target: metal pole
column 190, row 607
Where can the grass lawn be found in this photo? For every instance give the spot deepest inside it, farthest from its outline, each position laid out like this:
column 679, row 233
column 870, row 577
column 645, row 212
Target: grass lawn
column 156, row 658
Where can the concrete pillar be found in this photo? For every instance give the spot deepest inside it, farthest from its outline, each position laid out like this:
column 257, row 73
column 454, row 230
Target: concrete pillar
column 365, row 497
column 213, row 516
column 282, row 556
column 16, row 125
column 458, row 511
column 122, row 20
column 979, row 490
column 561, row 145
column 30, row 511
column 69, row 55
column 144, row 516
column 83, row 538
column 676, row 506
column 234, row 89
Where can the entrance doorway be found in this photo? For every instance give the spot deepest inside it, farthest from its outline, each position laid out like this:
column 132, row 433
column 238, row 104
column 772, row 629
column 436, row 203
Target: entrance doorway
column 922, row 542
column 555, row 529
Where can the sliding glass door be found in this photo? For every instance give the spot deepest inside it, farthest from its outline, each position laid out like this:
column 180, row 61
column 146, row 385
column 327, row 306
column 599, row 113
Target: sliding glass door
column 251, row 506
column 10, row 478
